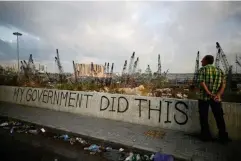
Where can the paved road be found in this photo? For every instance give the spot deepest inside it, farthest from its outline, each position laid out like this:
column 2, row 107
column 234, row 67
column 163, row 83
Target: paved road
column 13, row 150
column 23, row 147
column 172, row 142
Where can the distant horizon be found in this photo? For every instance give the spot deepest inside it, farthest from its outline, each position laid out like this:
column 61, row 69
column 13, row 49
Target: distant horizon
column 11, row 64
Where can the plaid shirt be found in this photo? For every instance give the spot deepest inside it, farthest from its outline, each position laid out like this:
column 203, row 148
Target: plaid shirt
column 212, row 77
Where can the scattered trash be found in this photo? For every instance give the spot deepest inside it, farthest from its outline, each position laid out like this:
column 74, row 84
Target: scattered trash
column 145, row 158
column 108, row 148
column 92, row 153
column 12, row 129
column 93, row 148
column 120, row 154
column 121, row 149
column 42, row 130
column 21, row 130
column 17, row 123
column 64, row 137
column 152, row 157
column 129, row 158
column 4, row 124
column 138, row 157
column 122, row 157
column 72, row 141
column 81, row 141
column 33, row 132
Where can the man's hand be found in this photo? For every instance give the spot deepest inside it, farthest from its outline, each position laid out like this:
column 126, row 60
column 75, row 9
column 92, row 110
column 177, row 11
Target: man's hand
column 217, row 98
column 206, row 89
column 209, row 93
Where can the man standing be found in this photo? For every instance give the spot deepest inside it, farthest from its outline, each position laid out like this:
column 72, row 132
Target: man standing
column 212, row 84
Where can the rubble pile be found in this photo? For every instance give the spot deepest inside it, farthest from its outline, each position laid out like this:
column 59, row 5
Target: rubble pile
column 107, row 152
column 170, row 93
column 164, row 92
column 142, row 91
column 181, row 95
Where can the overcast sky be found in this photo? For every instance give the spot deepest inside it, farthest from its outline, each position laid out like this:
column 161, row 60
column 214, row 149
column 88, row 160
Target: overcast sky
column 110, row 31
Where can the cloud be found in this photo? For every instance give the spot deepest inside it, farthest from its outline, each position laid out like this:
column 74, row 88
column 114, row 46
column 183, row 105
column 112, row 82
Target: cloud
column 111, row 31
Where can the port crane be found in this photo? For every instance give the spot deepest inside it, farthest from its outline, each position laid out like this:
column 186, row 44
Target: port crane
column 28, row 68
column 93, row 71
column 112, row 68
column 75, row 72
column 238, row 63
column 30, row 65
column 111, row 73
column 221, row 58
column 194, row 82
column 135, row 66
column 166, row 72
column 105, row 68
column 124, row 68
column 108, row 69
column 159, row 68
column 60, row 67
column 148, row 71
column 131, row 63
column 24, row 69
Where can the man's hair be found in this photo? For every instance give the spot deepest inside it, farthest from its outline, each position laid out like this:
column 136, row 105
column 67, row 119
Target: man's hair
column 209, row 59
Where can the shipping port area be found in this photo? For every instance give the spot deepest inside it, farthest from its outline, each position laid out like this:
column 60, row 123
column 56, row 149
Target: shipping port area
column 131, row 80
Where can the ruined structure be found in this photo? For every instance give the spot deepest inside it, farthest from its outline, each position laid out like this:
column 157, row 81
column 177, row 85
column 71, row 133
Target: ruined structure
column 87, row 70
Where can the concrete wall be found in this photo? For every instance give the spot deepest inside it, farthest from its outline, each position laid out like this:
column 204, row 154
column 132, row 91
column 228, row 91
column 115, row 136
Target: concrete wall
column 159, row 112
